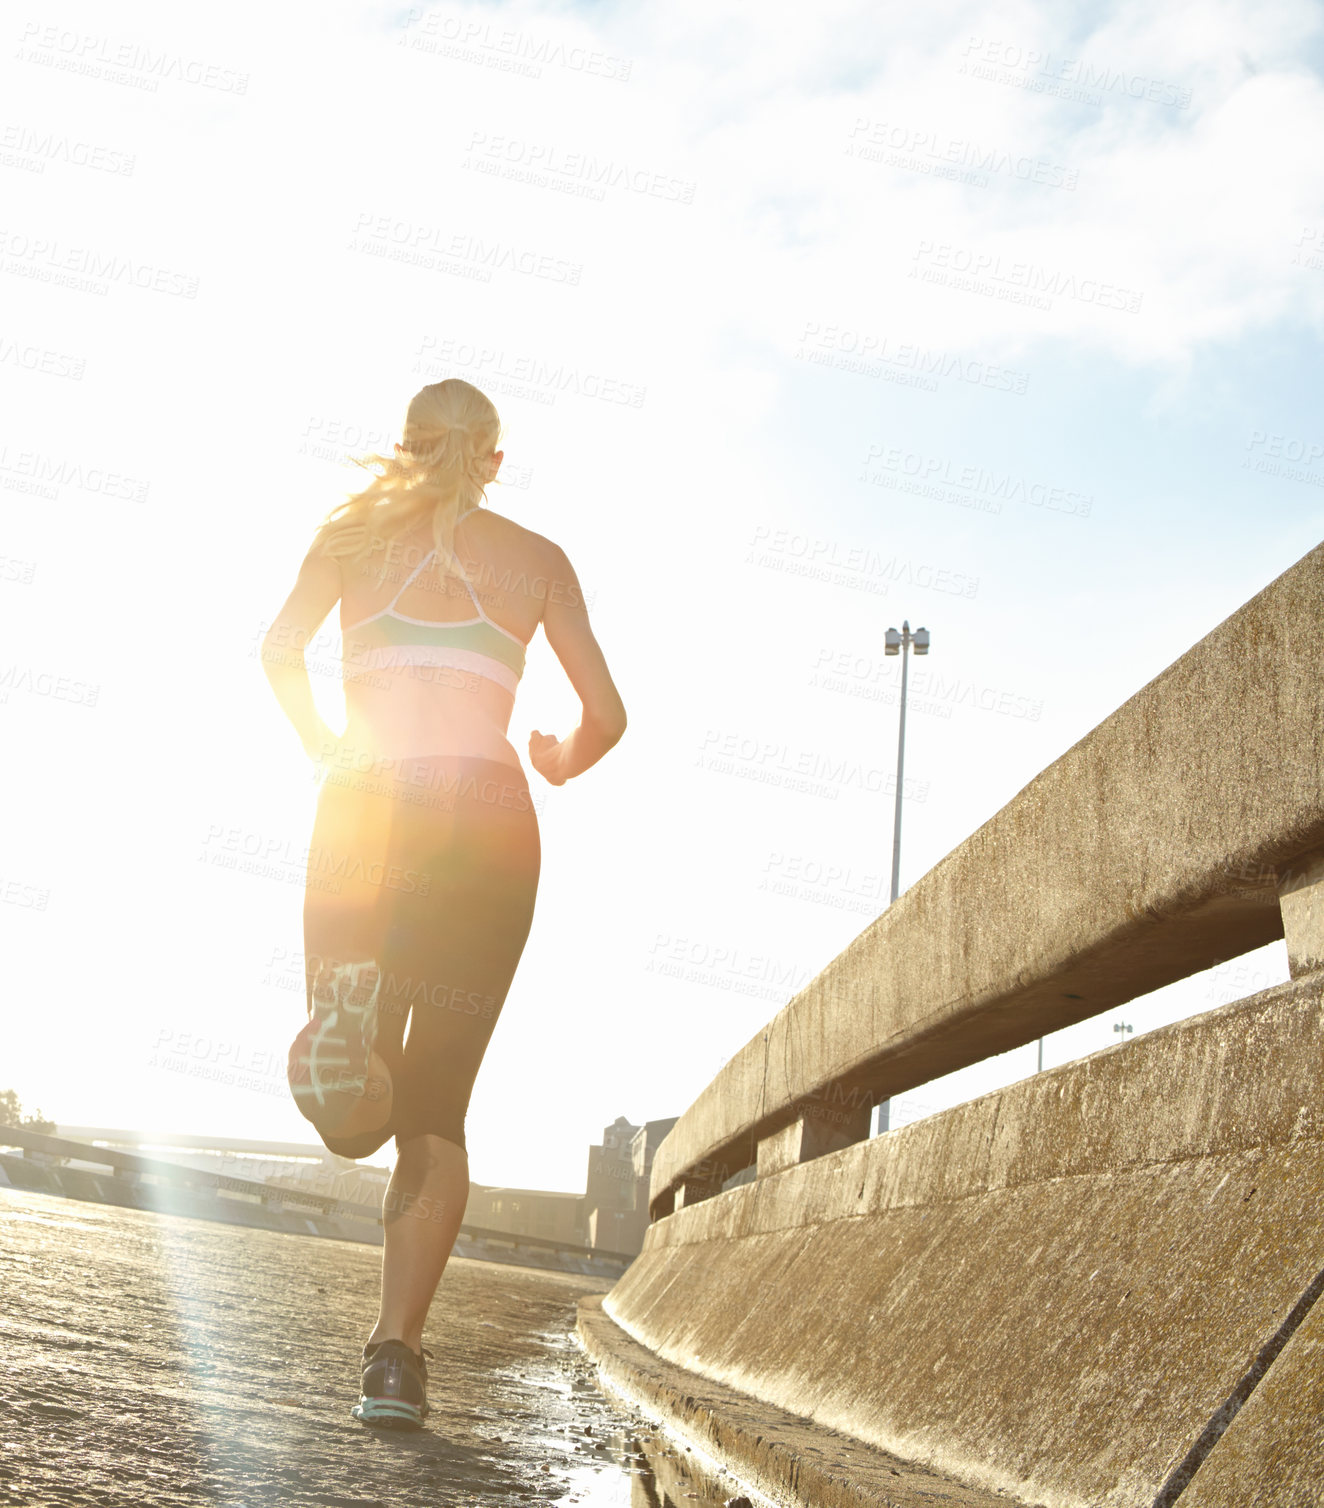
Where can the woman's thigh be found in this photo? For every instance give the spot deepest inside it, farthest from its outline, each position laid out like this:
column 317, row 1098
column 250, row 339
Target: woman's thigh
column 461, row 883
column 346, row 909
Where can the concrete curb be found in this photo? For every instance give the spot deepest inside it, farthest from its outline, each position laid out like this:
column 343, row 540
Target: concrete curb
column 1059, row 1289
column 784, row 1456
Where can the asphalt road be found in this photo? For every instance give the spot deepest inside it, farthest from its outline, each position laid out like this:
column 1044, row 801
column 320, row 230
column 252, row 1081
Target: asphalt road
column 159, row 1360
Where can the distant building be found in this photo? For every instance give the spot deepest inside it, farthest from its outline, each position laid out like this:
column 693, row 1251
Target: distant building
column 615, row 1203
column 526, row 1212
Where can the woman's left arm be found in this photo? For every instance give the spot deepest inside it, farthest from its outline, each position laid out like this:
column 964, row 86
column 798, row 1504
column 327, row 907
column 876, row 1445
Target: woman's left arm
column 316, row 592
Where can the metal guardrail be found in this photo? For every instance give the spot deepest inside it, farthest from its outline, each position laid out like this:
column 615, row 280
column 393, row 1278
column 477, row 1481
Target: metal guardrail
column 177, row 1175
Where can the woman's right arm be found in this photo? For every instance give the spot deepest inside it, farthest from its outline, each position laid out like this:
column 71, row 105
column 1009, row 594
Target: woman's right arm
column 315, row 593
column 565, row 622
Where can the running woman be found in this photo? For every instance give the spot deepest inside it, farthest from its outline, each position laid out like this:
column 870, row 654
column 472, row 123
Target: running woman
column 425, row 855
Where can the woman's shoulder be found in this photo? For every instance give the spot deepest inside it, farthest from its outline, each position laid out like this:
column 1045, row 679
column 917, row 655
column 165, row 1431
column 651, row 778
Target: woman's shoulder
column 524, row 562
column 517, row 537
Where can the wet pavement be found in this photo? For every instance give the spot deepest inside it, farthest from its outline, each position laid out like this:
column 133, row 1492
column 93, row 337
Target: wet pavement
column 156, row 1359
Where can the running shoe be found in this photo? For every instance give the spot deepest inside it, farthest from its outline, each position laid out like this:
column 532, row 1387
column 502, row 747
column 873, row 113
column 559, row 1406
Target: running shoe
column 328, row 1060
column 394, row 1391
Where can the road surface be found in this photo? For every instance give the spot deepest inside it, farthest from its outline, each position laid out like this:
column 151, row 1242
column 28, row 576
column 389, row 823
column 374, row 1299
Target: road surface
column 153, row 1359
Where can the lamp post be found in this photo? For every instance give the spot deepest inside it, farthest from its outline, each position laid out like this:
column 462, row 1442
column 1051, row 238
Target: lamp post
column 900, row 643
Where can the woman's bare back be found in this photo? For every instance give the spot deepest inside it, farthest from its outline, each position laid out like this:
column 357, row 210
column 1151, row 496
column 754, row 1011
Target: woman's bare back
column 397, row 709
column 511, row 569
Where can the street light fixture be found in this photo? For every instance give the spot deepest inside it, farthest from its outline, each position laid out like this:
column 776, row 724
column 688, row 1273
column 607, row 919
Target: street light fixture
column 901, row 643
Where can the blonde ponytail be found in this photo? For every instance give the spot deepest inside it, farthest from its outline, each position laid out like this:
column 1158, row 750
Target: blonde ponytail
column 440, row 471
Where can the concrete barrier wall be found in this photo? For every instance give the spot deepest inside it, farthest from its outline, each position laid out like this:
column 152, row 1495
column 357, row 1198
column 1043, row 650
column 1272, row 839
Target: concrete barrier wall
column 1050, row 1291
column 1272, row 1453
column 1153, row 848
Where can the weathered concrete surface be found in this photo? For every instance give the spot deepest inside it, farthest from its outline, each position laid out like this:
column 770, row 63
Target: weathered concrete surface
column 152, row 1359
column 811, row 1136
column 784, row 1455
column 1147, row 852
column 1301, row 897
column 1272, row 1454
column 1049, row 1291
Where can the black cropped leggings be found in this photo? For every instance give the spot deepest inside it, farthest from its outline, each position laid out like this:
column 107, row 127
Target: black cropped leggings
column 432, row 871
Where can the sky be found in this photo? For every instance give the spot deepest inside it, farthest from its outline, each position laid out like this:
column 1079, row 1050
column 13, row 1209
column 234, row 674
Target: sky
column 801, row 321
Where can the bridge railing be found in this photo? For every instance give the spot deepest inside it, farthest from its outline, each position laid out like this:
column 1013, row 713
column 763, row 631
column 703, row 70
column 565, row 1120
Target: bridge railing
column 1184, row 830
column 178, row 1176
